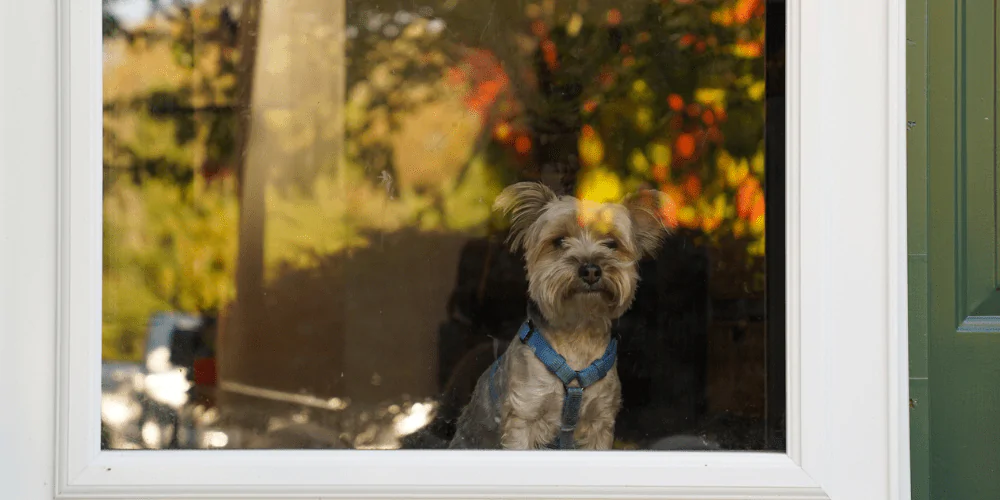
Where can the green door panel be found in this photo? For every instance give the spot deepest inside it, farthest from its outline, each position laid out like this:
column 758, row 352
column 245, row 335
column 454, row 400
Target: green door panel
column 963, row 303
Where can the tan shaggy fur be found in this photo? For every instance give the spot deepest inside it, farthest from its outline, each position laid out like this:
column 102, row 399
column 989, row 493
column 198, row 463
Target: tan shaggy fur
column 558, row 236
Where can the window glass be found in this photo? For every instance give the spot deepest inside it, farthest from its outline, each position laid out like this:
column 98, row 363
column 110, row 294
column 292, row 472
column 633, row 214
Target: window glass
column 301, row 248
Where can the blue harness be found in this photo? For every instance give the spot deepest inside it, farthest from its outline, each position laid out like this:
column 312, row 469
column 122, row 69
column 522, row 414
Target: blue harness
column 556, row 364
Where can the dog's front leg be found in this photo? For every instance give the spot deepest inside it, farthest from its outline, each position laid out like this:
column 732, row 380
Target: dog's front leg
column 598, row 434
column 515, row 434
column 596, row 428
column 530, row 421
column 529, row 415
column 524, row 428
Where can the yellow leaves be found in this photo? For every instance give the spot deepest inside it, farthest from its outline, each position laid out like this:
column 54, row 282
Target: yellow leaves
column 757, row 162
column 659, row 153
column 599, row 185
column 736, row 172
column 757, row 218
column 502, row 132
column 710, row 97
column 740, row 13
column 687, row 216
column 723, row 17
column 183, row 255
column 574, row 24
column 748, row 50
column 638, row 162
column 415, row 30
column 467, row 206
column 383, row 78
column 739, row 228
column 719, row 207
column 713, row 214
column 167, row 281
column 643, row 119
column 640, row 92
column 361, row 94
column 724, row 162
column 710, row 224
column 756, row 91
column 727, row 200
column 590, row 146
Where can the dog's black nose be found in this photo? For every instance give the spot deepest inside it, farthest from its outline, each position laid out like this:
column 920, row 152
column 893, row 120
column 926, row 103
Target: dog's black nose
column 590, row 273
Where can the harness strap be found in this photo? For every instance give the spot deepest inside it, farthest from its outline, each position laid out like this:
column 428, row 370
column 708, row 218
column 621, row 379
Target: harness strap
column 570, row 416
column 557, row 364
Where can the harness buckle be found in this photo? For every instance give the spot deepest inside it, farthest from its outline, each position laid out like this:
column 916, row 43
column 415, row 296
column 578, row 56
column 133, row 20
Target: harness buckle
column 531, row 333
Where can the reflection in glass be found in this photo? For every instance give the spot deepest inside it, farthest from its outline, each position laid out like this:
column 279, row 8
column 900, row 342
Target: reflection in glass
column 299, row 247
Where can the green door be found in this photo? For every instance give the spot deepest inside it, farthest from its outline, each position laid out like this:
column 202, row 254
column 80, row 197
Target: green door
column 953, row 257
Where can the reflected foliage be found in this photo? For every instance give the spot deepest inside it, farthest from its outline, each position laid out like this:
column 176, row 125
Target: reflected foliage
column 607, row 99
column 169, row 132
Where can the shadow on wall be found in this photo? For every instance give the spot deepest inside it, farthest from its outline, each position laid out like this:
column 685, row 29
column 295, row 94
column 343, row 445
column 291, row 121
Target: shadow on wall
column 361, row 325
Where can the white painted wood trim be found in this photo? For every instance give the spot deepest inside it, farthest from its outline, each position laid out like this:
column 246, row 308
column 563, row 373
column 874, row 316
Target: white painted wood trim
column 897, row 286
column 28, row 159
column 847, row 419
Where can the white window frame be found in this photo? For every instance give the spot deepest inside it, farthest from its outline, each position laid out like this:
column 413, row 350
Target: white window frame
column 847, row 396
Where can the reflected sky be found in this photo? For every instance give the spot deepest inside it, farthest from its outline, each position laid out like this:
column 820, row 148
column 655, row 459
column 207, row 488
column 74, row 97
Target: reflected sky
column 133, row 12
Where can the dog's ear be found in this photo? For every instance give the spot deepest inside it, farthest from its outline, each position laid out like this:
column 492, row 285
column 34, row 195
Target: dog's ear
column 523, row 202
column 645, row 208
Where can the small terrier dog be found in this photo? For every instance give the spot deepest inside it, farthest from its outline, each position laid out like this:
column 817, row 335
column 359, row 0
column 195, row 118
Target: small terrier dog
column 581, row 259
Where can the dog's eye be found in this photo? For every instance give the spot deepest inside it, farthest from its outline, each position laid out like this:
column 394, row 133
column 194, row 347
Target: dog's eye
column 611, row 244
column 558, row 242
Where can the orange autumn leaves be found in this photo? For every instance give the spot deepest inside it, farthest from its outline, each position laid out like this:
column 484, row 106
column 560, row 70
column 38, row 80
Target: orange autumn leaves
column 485, row 80
column 707, row 190
column 750, row 204
column 688, row 142
column 731, row 14
column 736, row 197
column 488, row 95
column 746, row 9
column 485, row 83
column 642, row 130
column 738, row 12
column 685, row 146
column 590, row 147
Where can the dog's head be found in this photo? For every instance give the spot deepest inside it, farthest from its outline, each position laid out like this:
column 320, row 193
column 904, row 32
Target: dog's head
column 581, row 255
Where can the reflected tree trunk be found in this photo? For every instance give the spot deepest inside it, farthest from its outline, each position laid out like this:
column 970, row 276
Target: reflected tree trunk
column 250, row 187
column 281, row 87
